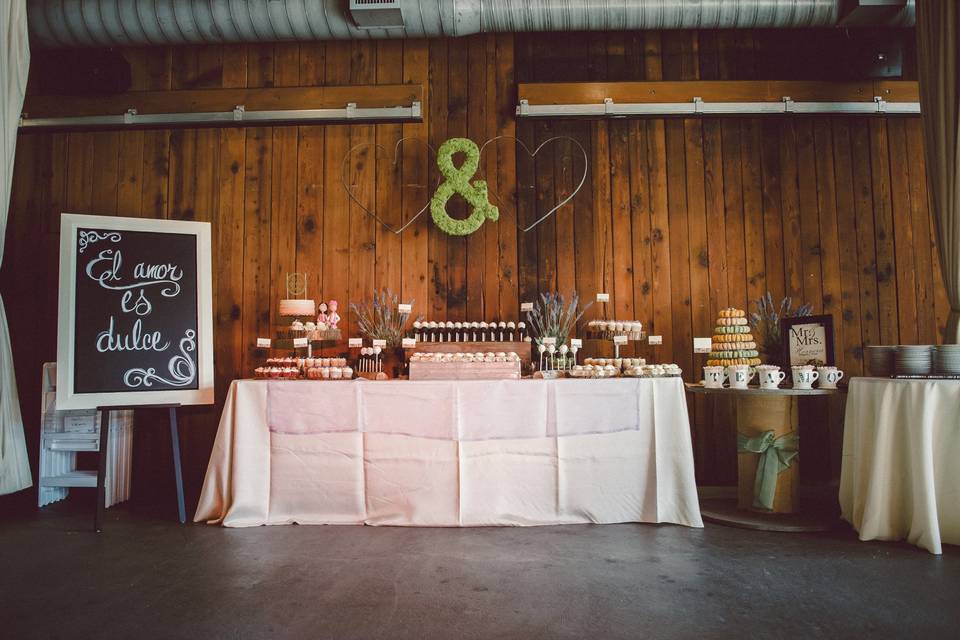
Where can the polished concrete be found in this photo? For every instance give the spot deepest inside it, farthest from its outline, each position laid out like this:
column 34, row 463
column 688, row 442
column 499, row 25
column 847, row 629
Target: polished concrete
column 147, row 577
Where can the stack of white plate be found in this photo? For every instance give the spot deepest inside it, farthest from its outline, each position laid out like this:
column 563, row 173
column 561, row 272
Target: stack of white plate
column 914, row 360
column 880, row 359
column 947, row 359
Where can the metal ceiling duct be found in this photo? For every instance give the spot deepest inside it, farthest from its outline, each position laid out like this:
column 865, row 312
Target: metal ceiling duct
column 100, row 23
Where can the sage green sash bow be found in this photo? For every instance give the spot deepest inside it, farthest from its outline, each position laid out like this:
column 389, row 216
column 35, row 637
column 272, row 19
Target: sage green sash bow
column 776, row 456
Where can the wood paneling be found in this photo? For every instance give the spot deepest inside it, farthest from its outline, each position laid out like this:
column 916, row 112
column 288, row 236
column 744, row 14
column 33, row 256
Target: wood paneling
column 677, row 218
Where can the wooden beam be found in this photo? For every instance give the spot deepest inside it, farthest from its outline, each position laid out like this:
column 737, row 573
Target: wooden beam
column 216, row 100
column 716, row 91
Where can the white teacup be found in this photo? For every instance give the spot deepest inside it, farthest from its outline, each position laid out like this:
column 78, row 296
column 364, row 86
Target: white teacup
column 829, row 377
column 804, row 377
column 771, row 377
column 713, row 377
column 740, row 375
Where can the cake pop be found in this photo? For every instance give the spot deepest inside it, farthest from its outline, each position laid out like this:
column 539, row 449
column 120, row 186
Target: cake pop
column 552, row 350
column 542, row 349
column 333, row 318
column 512, row 326
column 502, row 326
column 416, row 330
column 563, row 356
column 522, row 326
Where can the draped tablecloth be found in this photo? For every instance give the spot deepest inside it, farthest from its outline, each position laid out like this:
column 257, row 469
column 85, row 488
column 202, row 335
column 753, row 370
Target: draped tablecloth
column 452, row 453
column 900, row 478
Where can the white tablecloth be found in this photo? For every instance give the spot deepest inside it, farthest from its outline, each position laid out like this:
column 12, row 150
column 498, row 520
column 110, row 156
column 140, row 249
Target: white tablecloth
column 452, row 453
column 900, row 477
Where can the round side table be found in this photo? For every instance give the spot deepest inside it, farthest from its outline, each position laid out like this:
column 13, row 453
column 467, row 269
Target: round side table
column 758, row 411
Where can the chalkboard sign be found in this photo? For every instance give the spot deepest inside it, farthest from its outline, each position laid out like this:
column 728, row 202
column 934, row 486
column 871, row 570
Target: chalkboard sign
column 135, row 322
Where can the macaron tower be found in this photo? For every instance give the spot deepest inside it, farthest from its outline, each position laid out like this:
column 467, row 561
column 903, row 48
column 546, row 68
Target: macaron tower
column 732, row 341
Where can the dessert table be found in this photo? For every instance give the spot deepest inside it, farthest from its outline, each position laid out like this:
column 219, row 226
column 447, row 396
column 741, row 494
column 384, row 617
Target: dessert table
column 899, row 477
column 452, row 453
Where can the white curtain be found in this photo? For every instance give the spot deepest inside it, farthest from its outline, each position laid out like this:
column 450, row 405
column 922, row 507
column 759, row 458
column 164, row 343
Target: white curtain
column 14, row 63
column 938, row 24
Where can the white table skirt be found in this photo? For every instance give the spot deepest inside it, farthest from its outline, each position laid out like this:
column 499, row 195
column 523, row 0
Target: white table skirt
column 452, row 453
column 900, row 478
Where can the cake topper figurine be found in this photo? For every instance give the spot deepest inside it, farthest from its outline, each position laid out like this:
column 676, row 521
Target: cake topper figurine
column 322, row 318
column 333, row 318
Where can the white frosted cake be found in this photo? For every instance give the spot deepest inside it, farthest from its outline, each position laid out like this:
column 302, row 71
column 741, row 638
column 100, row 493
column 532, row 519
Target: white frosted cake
column 297, row 308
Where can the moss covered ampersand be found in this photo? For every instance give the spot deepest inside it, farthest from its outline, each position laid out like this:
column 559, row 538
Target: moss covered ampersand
column 458, row 181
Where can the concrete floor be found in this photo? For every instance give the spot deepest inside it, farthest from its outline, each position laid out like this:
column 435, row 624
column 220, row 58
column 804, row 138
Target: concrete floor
column 146, row 577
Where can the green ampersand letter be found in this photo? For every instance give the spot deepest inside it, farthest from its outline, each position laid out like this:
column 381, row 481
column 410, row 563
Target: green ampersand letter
column 458, row 181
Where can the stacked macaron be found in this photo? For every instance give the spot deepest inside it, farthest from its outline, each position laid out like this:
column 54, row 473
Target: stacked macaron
column 732, row 341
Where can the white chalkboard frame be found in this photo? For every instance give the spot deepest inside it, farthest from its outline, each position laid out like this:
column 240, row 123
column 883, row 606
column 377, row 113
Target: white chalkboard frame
column 66, row 398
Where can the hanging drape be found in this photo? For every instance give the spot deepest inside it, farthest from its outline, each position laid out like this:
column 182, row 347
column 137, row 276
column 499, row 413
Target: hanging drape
column 938, row 35
column 14, row 63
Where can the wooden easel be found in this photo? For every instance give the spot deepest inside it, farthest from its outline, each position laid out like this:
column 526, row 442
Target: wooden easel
column 102, row 468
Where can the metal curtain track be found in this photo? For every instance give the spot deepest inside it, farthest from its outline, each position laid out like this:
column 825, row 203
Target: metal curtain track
column 239, row 115
column 610, row 109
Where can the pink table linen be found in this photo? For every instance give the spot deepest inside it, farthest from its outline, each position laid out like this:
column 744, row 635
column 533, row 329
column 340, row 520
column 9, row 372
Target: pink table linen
column 452, row 453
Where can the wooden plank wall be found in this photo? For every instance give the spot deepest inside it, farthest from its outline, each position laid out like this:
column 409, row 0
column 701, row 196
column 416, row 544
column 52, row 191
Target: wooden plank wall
column 693, row 215
column 676, row 219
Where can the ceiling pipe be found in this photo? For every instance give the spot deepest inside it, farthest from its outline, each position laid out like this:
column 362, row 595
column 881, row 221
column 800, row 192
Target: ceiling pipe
column 107, row 23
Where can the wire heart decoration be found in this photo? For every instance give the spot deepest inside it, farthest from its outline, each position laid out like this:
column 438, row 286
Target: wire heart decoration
column 394, row 163
column 533, row 154
column 494, row 140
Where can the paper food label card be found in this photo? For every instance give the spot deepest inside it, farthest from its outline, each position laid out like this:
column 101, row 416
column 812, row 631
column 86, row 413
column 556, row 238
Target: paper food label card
column 655, row 339
column 409, row 343
column 355, row 343
column 264, row 343
column 702, row 345
column 603, row 297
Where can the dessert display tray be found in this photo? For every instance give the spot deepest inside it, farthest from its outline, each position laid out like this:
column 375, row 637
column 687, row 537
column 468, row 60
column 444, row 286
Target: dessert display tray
column 522, row 349
column 465, row 370
column 932, row 376
column 327, row 335
column 632, row 336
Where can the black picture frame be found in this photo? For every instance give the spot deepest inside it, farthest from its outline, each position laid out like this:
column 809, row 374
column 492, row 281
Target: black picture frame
column 789, row 330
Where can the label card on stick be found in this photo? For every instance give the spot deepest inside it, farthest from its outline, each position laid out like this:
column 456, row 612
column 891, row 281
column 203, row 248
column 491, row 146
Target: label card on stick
column 655, row 340
column 701, row 345
column 299, row 343
column 355, row 343
column 264, row 343
column 603, row 297
column 380, row 343
column 549, row 341
column 576, row 342
column 619, row 339
column 409, row 343
column 404, row 308
column 526, row 306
